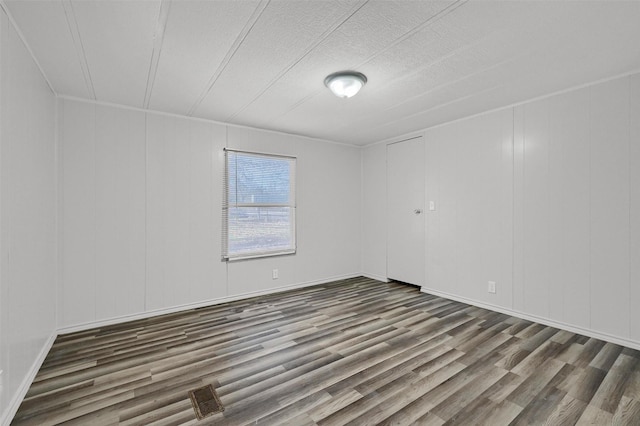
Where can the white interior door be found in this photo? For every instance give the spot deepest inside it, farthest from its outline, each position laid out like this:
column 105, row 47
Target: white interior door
column 405, row 211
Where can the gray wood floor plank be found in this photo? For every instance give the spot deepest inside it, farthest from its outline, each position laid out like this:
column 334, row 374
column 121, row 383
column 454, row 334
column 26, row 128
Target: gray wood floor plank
column 612, row 387
column 567, row 412
column 627, row 413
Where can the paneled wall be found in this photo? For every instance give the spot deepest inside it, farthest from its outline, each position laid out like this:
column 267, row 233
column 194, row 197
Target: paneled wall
column 183, row 215
column 374, row 211
column 468, row 173
column 142, row 195
column 327, row 214
column 27, row 218
column 575, row 179
column 138, row 221
column 542, row 198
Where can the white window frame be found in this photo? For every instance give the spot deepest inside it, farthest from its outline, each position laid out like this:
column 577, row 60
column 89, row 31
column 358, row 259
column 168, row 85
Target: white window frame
column 226, row 206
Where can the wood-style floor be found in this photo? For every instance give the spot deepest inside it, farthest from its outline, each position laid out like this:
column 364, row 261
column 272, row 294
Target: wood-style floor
column 351, row 352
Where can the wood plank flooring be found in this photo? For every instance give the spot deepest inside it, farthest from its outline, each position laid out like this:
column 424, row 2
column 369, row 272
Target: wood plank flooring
column 357, row 352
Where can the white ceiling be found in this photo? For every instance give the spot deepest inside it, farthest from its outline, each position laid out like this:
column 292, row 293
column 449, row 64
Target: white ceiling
column 262, row 63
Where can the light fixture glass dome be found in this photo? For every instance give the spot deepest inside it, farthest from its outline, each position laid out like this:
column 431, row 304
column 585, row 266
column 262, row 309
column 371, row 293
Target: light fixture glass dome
column 345, row 84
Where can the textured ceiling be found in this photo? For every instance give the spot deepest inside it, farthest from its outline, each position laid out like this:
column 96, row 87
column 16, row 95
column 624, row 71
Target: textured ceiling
column 262, row 63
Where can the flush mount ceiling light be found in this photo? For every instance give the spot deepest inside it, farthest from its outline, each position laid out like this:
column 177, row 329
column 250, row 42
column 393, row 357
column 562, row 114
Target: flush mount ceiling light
column 345, row 84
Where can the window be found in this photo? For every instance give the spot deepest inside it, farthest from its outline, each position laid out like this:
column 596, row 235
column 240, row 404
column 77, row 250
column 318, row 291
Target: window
column 259, row 209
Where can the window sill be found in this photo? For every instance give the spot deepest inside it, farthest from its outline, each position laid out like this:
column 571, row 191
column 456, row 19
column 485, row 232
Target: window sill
column 259, row 255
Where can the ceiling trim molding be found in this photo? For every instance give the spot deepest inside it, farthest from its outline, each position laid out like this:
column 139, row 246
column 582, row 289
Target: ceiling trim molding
column 158, row 40
column 203, row 120
column 6, row 11
column 406, row 138
column 248, row 26
column 72, row 22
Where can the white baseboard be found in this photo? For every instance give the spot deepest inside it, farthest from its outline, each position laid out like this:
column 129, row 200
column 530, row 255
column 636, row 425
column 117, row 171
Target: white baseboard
column 17, row 398
column 375, row 277
column 545, row 321
column 210, row 302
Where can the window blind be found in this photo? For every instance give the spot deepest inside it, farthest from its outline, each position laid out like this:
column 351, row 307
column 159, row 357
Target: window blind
column 259, row 206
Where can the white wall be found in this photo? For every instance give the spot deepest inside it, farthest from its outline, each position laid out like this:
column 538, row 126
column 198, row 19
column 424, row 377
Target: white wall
column 575, row 182
column 142, row 194
column 138, row 220
column 468, row 174
column 544, row 199
column 184, row 195
column 328, row 213
column 27, row 218
column 374, row 211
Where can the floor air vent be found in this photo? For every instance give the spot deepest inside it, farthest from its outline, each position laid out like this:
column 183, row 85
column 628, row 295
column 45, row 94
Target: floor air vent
column 205, row 402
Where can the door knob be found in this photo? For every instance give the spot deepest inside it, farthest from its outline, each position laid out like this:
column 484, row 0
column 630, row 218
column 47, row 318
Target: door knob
column 417, row 211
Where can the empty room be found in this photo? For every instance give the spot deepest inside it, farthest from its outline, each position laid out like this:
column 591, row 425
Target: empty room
column 319, row 212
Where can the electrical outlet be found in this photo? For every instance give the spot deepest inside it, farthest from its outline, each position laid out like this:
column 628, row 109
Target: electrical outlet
column 492, row 287
column 274, row 274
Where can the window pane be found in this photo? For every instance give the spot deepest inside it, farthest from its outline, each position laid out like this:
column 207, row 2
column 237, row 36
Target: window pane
column 254, row 179
column 231, row 177
column 259, row 210
column 260, row 229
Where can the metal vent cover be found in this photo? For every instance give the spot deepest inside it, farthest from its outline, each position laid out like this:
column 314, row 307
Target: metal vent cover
column 205, row 402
